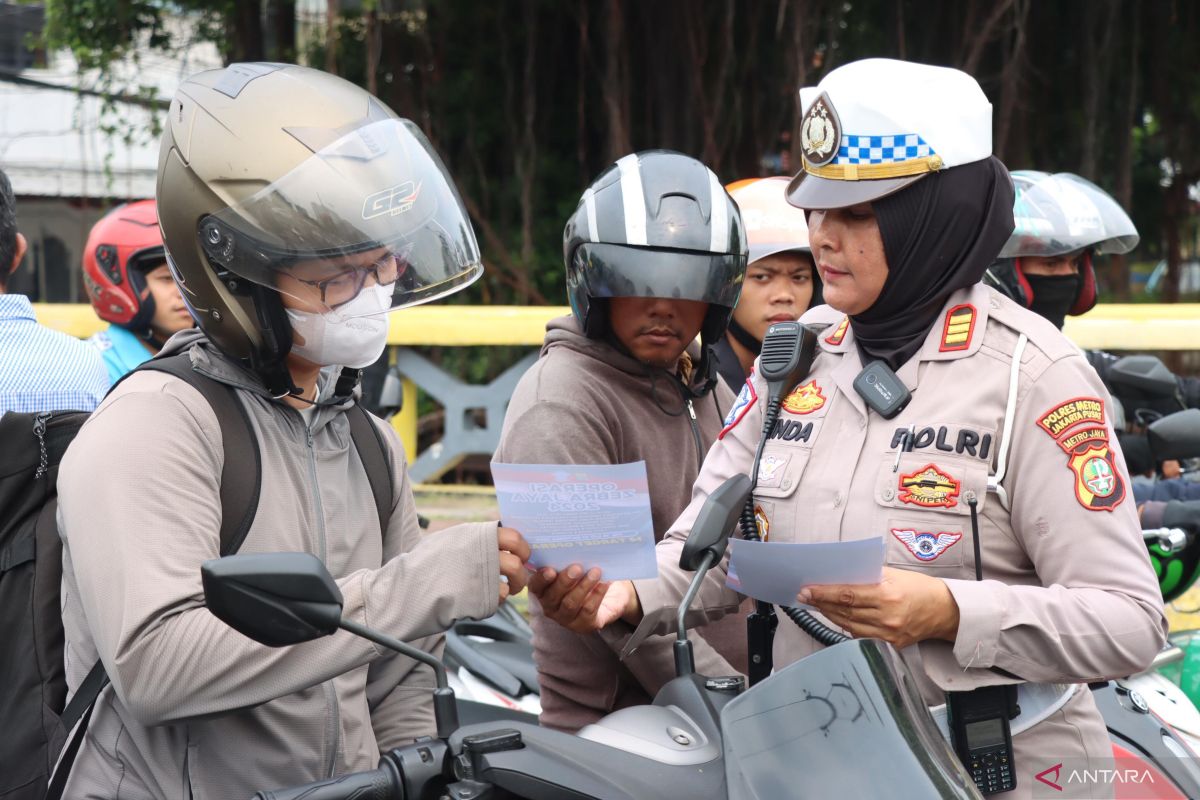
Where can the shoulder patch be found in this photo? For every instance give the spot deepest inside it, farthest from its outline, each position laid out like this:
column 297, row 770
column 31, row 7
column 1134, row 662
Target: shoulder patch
column 1062, row 418
column 839, row 332
column 1077, row 426
column 958, row 328
column 744, row 402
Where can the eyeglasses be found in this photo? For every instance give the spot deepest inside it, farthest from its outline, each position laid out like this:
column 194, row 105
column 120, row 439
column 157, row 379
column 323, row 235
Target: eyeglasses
column 345, row 286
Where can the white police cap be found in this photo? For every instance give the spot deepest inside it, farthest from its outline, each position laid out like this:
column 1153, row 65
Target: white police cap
column 874, row 126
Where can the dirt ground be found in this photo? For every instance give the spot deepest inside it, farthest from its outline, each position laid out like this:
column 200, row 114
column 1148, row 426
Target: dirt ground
column 446, row 509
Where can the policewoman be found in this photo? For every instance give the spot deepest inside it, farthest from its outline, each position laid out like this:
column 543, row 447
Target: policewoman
column 906, row 209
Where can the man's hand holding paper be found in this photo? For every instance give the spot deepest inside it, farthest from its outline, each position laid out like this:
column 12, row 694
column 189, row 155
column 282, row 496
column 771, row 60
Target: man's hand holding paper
column 595, row 517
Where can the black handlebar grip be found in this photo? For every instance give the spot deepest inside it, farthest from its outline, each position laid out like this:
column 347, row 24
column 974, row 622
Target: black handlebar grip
column 376, row 784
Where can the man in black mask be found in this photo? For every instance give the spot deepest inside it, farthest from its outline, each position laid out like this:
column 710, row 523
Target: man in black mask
column 1062, row 223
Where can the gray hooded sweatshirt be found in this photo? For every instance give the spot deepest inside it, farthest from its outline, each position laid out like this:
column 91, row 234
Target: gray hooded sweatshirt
column 584, row 402
column 196, row 709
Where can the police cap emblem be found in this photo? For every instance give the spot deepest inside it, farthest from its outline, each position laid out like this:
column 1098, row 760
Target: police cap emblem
column 820, row 132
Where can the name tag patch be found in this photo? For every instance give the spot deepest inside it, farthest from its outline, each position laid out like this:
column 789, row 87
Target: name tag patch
column 945, row 438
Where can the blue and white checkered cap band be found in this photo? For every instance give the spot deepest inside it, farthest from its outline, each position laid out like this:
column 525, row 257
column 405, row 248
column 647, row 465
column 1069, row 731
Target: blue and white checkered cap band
column 893, row 149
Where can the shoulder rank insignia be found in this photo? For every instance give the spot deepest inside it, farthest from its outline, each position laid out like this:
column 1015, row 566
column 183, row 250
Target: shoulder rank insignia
column 804, row 399
column 744, row 402
column 839, row 332
column 1077, row 426
column 956, row 331
column 929, row 487
column 926, row 546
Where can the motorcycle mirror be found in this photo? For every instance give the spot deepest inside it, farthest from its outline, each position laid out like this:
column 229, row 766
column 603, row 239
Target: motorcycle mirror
column 1175, row 435
column 276, row 599
column 1145, row 374
column 716, row 519
column 279, row 599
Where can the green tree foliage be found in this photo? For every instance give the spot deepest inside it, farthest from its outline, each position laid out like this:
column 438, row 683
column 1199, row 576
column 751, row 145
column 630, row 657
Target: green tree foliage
column 527, row 100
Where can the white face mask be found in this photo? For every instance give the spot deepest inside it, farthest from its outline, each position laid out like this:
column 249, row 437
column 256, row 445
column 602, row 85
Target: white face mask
column 354, row 336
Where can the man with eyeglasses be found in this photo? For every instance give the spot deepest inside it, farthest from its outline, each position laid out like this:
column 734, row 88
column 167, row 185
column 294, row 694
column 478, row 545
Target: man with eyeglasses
column 296, row 211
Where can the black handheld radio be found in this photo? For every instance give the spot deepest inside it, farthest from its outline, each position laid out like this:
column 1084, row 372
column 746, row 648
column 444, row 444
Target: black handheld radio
column 978, row 719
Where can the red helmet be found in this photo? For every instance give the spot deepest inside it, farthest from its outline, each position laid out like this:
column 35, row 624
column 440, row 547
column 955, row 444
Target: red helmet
column 121, row 248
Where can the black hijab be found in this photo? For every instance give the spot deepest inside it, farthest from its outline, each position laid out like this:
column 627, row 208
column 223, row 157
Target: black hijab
column 939, row 235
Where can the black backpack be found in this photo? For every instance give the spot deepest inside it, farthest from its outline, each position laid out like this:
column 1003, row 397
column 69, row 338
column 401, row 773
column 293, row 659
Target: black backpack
column 33, row 687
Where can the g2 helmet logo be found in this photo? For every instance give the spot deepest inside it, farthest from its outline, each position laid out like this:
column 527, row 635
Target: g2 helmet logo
column 395, row 200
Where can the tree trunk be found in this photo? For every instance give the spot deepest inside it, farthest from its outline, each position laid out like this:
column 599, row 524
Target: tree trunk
column 244, row 31
column 281, row 21
column 1098, row 35
column 1126, row 120
column 1011, row 79
column 526, row 164
column 977, row 43
column 615, row 87
column 331, row 36
column 374, row 47
column 1175, row 209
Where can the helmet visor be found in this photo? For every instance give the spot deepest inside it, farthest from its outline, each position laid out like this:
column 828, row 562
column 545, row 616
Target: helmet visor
column 1064, row 213
column 373, row 208
column 615, row 270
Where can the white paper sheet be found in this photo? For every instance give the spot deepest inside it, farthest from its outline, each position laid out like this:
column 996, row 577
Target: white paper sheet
column 594, row 515
column 776, row 571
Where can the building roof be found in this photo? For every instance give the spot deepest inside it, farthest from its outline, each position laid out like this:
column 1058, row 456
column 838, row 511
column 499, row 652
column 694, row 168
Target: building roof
column 56, row 141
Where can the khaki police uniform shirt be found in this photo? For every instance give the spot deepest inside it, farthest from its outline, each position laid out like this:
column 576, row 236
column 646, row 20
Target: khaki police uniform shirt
column 1068, row 593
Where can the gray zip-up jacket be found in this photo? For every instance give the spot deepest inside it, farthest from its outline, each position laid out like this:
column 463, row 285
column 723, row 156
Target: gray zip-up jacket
column 584, row 402
column 195, row 709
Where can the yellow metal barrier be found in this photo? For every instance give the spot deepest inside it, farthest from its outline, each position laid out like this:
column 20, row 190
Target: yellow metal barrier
column 1113, row 326
column 454, row 326
column 1108, row 327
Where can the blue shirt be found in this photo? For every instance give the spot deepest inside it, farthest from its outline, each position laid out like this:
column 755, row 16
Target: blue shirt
column 42, row 369
column 120, row 349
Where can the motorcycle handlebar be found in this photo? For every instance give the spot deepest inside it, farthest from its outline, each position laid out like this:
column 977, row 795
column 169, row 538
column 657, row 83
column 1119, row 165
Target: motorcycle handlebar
column 377, row 784
column 1173, row 540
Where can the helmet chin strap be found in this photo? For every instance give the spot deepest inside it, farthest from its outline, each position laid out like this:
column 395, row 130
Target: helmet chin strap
column 744, row 337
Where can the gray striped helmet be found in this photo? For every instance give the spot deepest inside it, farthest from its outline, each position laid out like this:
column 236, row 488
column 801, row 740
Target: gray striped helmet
column 655, row 224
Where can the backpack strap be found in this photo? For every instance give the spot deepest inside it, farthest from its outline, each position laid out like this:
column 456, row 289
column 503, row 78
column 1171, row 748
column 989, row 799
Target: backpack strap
column 373, row 452
column 241, row 482
column 241, row 474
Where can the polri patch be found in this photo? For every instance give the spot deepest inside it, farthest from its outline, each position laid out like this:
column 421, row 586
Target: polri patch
column 744, row 402
column 804, row 399
column 929, row 487
column 926, row 546
column 957, row 329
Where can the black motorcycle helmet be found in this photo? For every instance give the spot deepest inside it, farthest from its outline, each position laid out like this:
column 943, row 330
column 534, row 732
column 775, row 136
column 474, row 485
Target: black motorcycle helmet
column 656, row 224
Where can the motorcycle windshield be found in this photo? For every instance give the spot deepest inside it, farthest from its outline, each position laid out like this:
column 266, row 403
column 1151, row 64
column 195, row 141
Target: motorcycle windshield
column 847, row 721
column 1062, row 213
